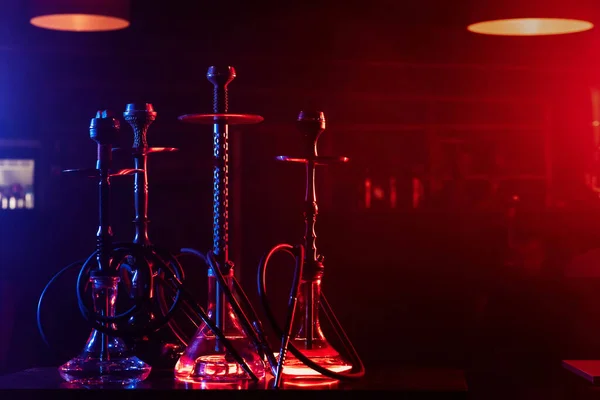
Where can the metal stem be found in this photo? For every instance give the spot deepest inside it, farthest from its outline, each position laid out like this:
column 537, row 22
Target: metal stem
column 140, row 194
column 220, row 79
column 104, row 233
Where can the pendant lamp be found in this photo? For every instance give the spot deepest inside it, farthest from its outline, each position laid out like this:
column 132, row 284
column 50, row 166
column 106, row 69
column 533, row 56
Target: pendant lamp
column 532, row 17
column 80, row 15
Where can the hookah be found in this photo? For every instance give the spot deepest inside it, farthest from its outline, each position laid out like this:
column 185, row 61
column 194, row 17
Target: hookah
column 312, row 357
column 106, row 358
column 157, row 352
column 140, row 117
column 205, row 359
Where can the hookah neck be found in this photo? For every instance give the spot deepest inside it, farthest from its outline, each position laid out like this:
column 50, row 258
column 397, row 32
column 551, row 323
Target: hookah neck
column 103, row 130
column 104, row 234
column 313, row 267
column 220, row 77
column 221, row 194
column 103, row 165
column 140, row 195
column 140, row 117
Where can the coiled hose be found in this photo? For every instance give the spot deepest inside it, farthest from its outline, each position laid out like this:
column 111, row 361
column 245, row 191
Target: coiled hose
column 358, row 369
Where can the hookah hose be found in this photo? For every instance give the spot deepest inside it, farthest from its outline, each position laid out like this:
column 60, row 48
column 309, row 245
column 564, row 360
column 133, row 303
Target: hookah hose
column 192, row 305
column 358, row 369
column 188, row 310
column 174, row 281
column 43, row 294
column 252, row 327
column 122, row 250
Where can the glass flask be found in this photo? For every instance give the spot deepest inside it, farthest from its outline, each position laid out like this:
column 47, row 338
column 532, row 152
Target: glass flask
column 309, row 338
column 105, row 360
column 205, row 358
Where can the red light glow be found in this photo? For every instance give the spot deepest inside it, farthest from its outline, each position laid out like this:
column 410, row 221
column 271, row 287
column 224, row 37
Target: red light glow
column 393, row 194
column 310, row 384
column 367, row 193
column 530, row 26
column 303, row 374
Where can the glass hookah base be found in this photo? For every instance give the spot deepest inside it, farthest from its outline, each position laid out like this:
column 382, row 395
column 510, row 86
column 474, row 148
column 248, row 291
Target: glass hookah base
column 91, row 371
column 295, row 369
column 214, row 367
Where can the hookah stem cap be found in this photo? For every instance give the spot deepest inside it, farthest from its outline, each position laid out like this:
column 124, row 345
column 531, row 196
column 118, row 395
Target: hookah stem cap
column 104, row 129
column 220, row 77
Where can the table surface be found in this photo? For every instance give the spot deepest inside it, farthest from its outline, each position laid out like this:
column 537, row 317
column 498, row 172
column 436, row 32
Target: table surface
column 406, row 379
column 587, row 369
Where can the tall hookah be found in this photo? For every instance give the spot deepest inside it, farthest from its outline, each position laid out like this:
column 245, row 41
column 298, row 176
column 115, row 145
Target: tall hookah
column 312, row 356
column 140, row 117
column 205, row 358
column 159, row 352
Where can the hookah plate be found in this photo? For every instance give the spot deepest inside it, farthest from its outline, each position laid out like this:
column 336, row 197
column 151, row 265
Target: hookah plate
column 149, row 150
column 230, row 119
column 319, row 160
column 94, row 173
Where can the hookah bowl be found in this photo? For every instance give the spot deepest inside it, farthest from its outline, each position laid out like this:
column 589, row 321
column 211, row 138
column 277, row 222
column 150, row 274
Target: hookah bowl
column 105, row 359
column 206, row 358
column 312, row 357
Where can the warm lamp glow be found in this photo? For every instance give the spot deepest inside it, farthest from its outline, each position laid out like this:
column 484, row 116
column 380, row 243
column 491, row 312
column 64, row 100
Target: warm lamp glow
column 79, row 22
column 80, row 15
column 530, row 26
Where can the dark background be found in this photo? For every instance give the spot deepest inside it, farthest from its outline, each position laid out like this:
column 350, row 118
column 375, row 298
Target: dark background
column 406, row 90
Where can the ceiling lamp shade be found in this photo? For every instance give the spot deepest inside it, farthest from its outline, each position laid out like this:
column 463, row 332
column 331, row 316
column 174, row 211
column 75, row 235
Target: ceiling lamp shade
column 532, row 17
column 80, row 15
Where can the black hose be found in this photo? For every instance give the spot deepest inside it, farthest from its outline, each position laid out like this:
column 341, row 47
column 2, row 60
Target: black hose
column 247, row 326
column 147, row 257
column 91, row 316
column 175, row 269
column 358, row 369
column 190, row 302
column 43, row 294
column 119, row 250
column 292, row 304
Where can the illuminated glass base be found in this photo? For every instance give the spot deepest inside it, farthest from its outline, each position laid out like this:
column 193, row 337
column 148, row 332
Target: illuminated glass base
column 242, row 384
column 201, row 363
column 89, row 371
column 94, row 367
